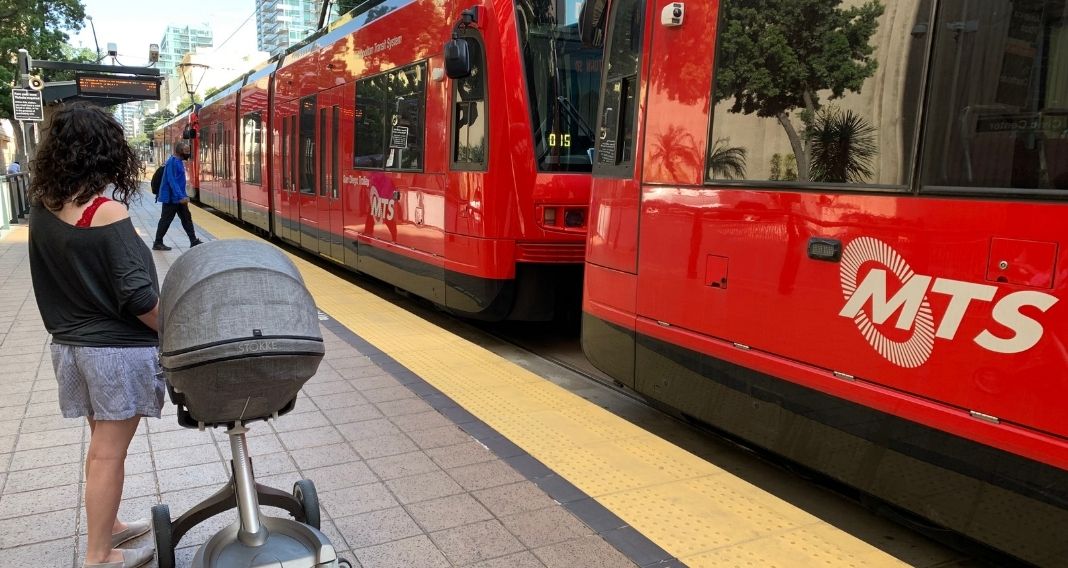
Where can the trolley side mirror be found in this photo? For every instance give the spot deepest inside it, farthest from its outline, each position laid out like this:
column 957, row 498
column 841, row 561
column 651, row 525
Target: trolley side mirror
column 457, row 59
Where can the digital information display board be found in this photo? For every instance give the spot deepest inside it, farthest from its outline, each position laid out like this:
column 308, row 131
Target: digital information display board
column 142, row 88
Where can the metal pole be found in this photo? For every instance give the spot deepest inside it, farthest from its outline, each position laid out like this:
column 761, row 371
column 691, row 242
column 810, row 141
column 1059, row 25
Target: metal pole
column 252, row 532
column 25, row 65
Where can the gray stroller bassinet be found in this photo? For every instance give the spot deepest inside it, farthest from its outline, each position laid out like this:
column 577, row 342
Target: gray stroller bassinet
column 239, row 337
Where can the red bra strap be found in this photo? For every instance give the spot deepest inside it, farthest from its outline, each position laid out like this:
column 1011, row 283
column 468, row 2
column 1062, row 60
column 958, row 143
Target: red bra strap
column 87, row 215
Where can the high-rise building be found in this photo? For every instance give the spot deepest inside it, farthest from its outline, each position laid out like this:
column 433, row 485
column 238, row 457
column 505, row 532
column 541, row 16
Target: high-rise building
column 129, row 115
column 180, row 40
column 282, row 23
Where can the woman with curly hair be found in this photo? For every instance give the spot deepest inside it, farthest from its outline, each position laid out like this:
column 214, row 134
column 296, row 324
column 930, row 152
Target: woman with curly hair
column 97, row 292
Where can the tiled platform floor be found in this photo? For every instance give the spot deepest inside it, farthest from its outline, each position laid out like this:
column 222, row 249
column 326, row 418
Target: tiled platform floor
column 400, row 484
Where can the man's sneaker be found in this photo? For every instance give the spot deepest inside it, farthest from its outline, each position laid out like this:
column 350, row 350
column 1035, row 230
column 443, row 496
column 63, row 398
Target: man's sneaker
column 160, row 246
column 195, row 243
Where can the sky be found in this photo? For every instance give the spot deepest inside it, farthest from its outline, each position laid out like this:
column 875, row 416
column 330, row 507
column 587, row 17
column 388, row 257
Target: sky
column 135, row 25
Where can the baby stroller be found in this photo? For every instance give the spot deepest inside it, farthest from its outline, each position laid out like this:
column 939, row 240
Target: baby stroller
column 239, row 337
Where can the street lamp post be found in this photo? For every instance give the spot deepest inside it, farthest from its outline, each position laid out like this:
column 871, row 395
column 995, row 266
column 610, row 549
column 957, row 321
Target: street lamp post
column 95, row 42
column 192, row 74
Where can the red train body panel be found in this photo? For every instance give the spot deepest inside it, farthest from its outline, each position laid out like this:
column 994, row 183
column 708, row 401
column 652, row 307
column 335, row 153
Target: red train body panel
column 470, row 192
column 902, row 333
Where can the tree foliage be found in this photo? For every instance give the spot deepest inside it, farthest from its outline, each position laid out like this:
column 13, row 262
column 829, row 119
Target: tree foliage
column 38, row 26
column 726, row 161
column 778, row 56
column 843, row 147
column 153, row 120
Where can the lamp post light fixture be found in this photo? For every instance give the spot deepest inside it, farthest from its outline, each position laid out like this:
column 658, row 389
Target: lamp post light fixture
column 96, row 43
column 192, row 74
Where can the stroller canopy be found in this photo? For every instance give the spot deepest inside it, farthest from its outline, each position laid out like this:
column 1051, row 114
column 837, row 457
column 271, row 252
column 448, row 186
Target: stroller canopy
column 239, row 332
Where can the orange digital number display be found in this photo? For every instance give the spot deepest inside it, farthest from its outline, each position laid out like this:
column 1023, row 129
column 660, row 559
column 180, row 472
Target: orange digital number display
column 125, row 87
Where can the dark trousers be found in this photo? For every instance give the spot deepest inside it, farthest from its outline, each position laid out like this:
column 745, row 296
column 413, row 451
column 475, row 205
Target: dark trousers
column 169, row 211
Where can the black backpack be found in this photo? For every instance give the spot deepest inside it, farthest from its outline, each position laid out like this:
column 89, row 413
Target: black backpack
column 157, row 179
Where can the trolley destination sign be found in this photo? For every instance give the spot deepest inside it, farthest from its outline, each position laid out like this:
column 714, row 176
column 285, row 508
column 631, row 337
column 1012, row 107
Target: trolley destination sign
column 141, row 88
column 27, row 104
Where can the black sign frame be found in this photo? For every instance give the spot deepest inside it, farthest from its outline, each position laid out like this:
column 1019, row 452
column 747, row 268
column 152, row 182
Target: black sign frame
column 27, row 105
column 124, row 87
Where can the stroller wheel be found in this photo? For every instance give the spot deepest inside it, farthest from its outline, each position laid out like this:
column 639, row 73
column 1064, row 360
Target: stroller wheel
column 304, row 491
column 344, row 563
column 161, row 530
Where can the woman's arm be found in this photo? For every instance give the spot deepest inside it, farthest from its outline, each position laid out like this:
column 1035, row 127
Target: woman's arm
column 151, row 317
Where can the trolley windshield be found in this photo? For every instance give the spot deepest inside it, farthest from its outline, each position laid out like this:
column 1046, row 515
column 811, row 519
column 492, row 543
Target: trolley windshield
column 563, row 81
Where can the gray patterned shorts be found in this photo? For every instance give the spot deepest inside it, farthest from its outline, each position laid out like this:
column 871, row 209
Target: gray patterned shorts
column 108, row 383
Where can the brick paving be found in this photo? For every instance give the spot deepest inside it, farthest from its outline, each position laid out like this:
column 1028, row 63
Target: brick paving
column 401, row 485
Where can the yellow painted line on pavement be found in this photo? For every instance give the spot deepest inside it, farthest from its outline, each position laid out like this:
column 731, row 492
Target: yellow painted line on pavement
column 694, row 510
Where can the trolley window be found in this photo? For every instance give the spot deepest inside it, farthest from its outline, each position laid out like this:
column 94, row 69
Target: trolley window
column 370, row 122
column 218, row 158
column 998, row 116
column 252, row 148
column 335, row 173
column 228, row 153
column 285, row 154
column 823, row 97
column 563, row 82
column 323, row 181
column 294, row 152
column 469, row 113
column 389, row 117
column 306, row 148
column 615, row 147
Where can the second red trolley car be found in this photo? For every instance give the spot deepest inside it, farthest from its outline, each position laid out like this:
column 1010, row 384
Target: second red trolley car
column 471, row 192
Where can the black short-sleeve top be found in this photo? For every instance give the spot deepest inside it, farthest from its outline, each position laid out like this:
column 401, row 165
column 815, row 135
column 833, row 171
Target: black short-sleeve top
column 91, row 283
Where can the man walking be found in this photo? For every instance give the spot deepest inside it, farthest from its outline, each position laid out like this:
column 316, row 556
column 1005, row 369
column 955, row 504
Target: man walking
column 173, row 197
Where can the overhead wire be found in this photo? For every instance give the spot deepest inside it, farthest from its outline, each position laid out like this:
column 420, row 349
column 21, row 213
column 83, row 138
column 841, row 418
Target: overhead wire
column 255, row 9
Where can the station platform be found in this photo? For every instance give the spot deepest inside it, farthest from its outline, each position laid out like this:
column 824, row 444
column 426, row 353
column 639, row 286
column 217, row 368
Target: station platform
column 426, row 449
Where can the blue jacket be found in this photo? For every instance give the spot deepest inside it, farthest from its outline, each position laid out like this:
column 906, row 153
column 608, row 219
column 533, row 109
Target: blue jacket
column 172, row 188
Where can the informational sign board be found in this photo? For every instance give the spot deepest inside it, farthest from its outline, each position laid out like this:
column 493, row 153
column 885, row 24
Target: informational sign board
column 27, row 104
column 142, row 88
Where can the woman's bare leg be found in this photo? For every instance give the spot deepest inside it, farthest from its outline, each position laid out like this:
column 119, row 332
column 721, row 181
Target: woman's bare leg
column 119, row 525
column 105, row 471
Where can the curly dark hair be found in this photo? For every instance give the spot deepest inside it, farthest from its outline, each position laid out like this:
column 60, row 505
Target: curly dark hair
column 83, row 151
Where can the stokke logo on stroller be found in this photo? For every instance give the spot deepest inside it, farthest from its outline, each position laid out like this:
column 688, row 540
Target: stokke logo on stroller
column 239, row 337
column 259, row 346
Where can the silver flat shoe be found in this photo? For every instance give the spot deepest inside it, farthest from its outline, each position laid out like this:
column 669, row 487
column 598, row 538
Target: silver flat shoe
column 133, row 530
column 131, row 558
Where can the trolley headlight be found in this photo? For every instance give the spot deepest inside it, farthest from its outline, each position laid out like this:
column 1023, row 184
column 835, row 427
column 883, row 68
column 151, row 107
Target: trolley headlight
column 574, row 217
column 549, row 219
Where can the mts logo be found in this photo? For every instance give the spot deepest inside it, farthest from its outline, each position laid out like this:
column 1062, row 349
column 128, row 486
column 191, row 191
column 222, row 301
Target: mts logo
column 382, row 209
column 913, row 308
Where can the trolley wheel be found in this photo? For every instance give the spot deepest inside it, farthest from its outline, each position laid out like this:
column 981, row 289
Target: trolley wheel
column 344, row 563
column 304, row 491
column 161, row 530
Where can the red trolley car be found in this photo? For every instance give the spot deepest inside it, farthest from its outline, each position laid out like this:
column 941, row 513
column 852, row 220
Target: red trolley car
column 471, row 192
column 831, row 228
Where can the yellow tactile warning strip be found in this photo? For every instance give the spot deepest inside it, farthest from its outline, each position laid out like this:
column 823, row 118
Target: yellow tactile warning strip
column 699, row 513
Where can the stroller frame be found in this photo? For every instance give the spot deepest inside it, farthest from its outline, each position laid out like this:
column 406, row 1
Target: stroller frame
column 253, row 534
